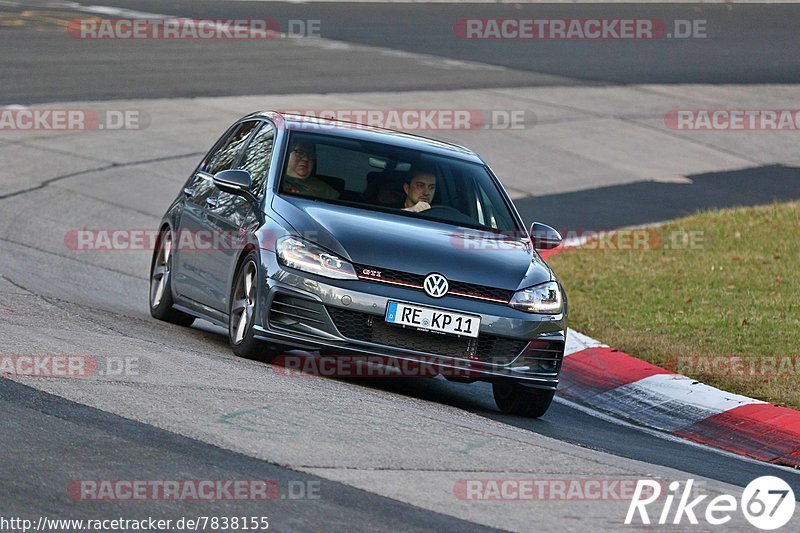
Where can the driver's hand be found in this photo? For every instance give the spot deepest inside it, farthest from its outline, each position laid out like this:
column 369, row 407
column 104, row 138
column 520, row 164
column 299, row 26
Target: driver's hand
column 418, row 207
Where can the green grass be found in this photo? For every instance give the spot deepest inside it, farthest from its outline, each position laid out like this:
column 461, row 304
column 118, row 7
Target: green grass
column 735, row 292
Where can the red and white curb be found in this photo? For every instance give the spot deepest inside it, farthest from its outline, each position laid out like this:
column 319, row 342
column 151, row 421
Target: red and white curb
column 610, row 381
column 598, row 376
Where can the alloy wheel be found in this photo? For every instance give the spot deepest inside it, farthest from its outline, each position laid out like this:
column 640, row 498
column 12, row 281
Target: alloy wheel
column 161, row 270
column 244, row 300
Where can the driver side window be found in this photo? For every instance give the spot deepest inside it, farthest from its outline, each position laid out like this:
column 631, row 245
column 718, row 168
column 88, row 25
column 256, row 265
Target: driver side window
column 257, row 156
column 224, row 157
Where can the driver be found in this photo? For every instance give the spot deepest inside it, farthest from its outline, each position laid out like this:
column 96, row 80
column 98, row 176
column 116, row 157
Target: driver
column 420, row 187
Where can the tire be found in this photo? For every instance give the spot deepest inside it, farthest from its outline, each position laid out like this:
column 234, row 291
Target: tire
column 161, row 303
column 242, row 311
column 516, row 399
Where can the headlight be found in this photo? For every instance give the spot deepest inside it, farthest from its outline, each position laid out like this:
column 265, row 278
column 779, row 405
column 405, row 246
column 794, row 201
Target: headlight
column 545, row 298
column 308, row 257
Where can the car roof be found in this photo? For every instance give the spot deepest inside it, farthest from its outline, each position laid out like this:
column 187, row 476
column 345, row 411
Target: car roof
column 363, row 132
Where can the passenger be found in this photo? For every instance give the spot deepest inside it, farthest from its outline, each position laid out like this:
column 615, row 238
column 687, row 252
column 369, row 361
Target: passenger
column 299, row 179
column 420, row 187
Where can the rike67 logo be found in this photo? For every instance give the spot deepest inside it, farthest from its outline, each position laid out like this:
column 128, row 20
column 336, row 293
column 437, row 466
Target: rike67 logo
column 767, row 502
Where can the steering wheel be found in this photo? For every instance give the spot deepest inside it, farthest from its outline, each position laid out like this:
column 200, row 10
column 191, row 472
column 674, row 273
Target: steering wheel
column 448, row 213
column 439, row 208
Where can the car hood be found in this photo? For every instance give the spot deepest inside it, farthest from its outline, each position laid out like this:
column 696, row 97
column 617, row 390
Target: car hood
column 415, row 245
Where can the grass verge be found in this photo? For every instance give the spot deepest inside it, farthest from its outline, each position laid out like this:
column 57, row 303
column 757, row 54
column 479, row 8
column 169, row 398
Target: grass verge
column 713, row 296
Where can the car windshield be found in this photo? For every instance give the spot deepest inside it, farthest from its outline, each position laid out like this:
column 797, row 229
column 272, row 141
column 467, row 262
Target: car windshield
column 384, row 177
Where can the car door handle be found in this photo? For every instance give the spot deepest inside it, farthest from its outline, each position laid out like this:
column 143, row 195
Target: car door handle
column 189, row 192
column 212, row 201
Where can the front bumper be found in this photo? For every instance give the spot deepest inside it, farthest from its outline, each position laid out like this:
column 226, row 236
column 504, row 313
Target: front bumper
column 347, row 317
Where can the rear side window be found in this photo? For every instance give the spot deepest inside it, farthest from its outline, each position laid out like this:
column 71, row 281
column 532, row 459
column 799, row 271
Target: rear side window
column 228, row 151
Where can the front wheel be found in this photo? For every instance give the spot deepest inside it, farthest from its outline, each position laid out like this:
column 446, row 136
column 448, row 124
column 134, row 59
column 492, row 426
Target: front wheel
column 242, row 313
column 161, row 303
column 516, row 399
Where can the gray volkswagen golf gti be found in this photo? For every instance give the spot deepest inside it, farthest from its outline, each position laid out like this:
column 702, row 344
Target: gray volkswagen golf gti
column 302, row 233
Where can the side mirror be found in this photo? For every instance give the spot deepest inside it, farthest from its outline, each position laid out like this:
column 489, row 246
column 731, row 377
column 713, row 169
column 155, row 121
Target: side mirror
column 544, row 237
column 234, row 181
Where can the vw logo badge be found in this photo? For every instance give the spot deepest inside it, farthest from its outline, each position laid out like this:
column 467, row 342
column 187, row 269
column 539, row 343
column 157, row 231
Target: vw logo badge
column 435, row 285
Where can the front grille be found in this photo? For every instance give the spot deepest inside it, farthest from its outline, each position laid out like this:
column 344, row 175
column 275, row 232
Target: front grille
column 391, row 275
column 415, row 281
column 371, row 328
column 471, row 290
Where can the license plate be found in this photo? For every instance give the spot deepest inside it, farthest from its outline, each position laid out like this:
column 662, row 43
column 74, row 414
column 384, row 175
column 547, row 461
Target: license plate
column 430, row 319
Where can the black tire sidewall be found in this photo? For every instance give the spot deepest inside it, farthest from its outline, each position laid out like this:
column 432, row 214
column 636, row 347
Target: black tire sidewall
column 517, row 399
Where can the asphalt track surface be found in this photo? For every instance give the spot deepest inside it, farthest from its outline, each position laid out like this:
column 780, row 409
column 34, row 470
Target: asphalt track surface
column 743, row 44
column 72, row 439
column 48, row 440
